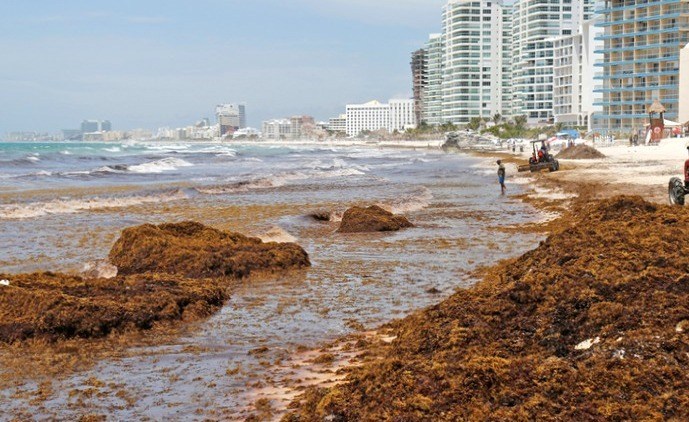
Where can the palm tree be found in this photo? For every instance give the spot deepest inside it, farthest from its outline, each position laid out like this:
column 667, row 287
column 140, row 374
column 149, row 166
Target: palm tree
column 520, row 121
column 497, row 117
column 474, row 123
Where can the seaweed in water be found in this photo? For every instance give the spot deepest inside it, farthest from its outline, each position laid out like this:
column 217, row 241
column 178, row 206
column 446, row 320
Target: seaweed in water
column 371, row 219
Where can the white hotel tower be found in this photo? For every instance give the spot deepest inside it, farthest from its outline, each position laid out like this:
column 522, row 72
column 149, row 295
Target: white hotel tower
column 535, row 23
column 476, row 68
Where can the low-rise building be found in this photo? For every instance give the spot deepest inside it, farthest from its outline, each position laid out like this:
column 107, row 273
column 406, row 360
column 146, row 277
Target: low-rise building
column 338, row 124
column 301, row 126
column 277, row 129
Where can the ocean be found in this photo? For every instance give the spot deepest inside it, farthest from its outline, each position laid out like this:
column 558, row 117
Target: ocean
column 62, row 205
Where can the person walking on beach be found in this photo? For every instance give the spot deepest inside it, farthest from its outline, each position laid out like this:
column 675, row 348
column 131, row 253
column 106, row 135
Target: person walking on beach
column 501, row 176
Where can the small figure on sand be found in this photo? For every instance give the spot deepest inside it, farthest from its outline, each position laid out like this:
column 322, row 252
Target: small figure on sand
column 501, row 176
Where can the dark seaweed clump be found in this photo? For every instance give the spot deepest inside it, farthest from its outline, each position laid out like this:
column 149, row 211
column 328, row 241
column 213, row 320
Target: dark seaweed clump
column 58, row 306
column 169, row 272
column 371, row 219
column 193, row 250
column 591, row 325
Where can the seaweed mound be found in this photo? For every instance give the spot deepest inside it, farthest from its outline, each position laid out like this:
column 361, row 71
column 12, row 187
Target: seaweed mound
column 193, row 250
column 371, row 219
column 580, row 152
column 57, row 306
column 591, row 325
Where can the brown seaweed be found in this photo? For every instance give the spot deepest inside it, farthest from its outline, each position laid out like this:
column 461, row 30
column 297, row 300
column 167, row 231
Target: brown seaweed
column 371, row 219
column 591, row 325
column 193, row 250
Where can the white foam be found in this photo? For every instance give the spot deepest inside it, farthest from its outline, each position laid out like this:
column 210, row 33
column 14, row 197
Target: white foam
column 277, row 234
column 275, row 181
column 99, row 269
column 113, row 149
column 167, row 147
column 33, row 158
column 159, row 166
column 71, row 206
column 415, row 201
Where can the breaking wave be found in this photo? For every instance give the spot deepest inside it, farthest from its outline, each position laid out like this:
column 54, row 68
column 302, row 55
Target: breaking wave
column 275, row 181
column 71, row 206
column 414, row 201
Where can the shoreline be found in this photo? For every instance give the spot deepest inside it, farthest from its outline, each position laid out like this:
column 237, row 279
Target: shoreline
column 559, row 196
column 547, row 199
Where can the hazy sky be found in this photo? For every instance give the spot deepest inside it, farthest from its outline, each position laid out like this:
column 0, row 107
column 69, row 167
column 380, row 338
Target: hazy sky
column 151, row 63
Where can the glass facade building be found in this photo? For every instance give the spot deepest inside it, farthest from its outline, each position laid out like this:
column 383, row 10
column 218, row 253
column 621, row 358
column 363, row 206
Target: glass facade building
column 642, row 41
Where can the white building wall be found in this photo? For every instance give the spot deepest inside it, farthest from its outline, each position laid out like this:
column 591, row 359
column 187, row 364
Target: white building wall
column 338, row 124
column 396, row 115
column 277, row 129
column 371, row 116
column 683, row 114
column 402, row 116
column 535, row 24
column 475, row 59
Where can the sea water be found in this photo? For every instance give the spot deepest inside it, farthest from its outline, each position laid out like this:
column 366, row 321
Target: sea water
column 63, row 205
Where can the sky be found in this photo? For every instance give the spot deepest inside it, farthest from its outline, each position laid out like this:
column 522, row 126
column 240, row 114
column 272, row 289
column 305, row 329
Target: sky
column 155, row 63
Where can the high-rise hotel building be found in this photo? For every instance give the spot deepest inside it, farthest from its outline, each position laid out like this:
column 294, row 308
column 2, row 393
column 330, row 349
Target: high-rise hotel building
column 574, row 102
column 645, row 57
column 476, row 37
column 535, row 23
column 433, row 91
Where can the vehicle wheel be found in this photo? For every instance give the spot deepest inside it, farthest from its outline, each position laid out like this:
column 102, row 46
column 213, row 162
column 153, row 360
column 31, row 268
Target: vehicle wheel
column 676, row 191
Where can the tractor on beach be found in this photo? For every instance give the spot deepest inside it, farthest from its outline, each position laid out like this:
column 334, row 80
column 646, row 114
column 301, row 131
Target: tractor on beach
column 540, row 159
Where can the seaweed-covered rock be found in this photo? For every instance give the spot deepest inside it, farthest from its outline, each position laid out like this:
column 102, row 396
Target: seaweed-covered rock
column 371, row 219
column 57, row 306
column 193, row 250
column 588, row 326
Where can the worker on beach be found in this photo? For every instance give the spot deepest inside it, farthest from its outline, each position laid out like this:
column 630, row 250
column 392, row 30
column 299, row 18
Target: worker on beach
column 501, row 176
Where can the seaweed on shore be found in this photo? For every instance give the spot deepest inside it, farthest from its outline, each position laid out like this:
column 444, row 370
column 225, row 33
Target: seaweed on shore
column 591, row 325
column 169, row 272
column 580, row 152
column 192, row 250
column 371, row 219
column 57, row 306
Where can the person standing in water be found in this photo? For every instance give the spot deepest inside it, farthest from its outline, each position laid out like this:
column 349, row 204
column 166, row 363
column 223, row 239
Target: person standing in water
column 501, row 176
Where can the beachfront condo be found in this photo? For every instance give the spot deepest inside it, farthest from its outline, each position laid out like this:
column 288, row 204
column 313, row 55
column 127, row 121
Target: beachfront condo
column 573, row 77
column 432, row 107
column 396, row 115
column 477, row 60
column 535, row 23
column 645, row 57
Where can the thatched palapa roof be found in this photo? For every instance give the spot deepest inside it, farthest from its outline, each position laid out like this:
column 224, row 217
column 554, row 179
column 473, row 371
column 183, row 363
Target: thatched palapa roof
column 656, row 107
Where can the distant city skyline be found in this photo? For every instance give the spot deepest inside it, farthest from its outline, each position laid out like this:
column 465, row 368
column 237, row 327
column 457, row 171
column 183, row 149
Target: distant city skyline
column 167, row 63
